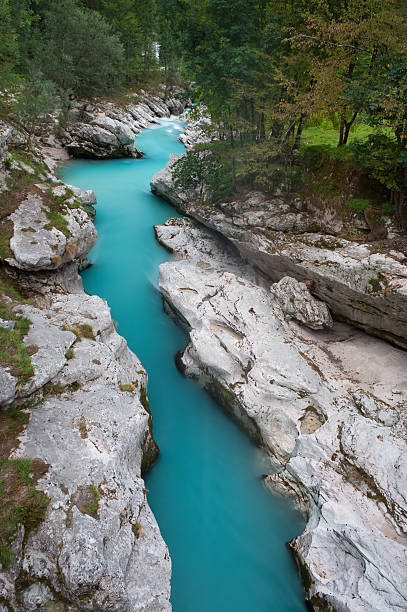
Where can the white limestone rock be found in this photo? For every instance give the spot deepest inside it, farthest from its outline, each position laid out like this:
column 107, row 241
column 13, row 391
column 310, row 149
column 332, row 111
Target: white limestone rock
column 196, row 132
column 85, row 196
column 90, row 433
column 37, row 245
column 162, row 185
column 8, row 387
column 297, row 302
column 342, row 455
column 99, row 142
column 36, row 597
column 108, row 131
column 365, row 289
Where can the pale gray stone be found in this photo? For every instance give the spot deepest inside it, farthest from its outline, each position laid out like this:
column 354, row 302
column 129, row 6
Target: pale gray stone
column 36, row 597
column 365, row 289
column 8, row 386
column 90, row 433
column 297, row 302
column 36, row 246
column 346, row 470
column 107, row 131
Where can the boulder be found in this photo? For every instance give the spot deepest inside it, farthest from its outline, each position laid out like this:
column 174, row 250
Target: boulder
column 94, row 141
column 297, row 302
column 108, row 131
column 37, row 244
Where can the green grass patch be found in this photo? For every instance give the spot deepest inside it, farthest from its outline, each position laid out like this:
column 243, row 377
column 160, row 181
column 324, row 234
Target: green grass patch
column 137, row 529
column 86, row 498
column 358, row 205
column 15, row 356
column 327, row 134
column 6, row 233
column 70, row 353
column 20, row 501
column 92, row 507
column 84, row 330
column 56, row 219
column 126, row 387
column 12, row 423
column 21, row 183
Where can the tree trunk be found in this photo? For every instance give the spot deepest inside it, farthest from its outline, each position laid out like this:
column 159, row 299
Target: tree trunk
column 233, row 173
column 345, row 129
column 299, row 132
column 341, row 131
column 262, row 131
column 348, row 125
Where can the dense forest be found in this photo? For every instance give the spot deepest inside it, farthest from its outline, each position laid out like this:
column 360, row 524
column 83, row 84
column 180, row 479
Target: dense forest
column 292, row 82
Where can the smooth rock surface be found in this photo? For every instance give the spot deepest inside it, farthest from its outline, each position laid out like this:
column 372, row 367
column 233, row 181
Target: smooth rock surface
column 91, row 433
column 342, row 454
column 108, row 131
column 365, row 289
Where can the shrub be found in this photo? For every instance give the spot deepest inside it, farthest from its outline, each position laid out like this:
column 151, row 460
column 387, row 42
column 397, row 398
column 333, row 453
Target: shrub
column 358, row 205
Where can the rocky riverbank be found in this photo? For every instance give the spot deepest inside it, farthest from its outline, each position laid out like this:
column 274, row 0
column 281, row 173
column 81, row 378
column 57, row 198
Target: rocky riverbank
column 75, row 429
column 329, row 407
column 105, row 130
column 278, row 237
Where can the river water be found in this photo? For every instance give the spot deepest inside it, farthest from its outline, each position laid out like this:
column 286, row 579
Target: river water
column 226, row 533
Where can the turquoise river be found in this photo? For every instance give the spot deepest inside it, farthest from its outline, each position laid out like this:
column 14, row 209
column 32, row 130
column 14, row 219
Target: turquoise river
column 226, row 533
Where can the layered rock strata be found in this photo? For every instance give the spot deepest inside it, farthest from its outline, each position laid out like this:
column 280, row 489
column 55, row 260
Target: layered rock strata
column 338, row 449
column 106, row 130
column 278, row 237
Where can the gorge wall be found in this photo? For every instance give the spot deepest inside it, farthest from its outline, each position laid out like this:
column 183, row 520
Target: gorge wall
column 76, row 432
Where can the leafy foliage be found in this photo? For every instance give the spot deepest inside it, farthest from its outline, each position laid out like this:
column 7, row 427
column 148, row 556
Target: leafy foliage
column 37, row 101
column 21, row 502
column 203, row 171
column 78, row 51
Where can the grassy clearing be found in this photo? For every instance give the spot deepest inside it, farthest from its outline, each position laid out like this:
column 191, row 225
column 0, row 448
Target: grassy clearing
column 329, row 136
column 325, row 133
column 20, row 502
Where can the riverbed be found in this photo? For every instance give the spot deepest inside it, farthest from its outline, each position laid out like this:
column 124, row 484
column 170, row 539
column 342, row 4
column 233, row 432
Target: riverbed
column 225, row 532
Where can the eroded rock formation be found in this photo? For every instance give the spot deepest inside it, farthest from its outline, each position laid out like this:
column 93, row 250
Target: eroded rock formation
column 75, row 429
column 106, row 130
column 278, row 237
column 338, row 449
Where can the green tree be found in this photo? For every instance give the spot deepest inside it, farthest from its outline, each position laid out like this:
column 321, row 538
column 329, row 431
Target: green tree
column 202, row 170
column 36, row 103
column 8, row 44
column 77, row 50
column 134, row 21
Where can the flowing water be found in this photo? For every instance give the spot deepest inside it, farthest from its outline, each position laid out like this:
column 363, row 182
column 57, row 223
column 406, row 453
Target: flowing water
column 226, row 534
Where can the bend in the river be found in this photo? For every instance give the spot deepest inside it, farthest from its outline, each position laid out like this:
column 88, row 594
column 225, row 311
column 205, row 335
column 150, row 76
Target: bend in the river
column 226, row 534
